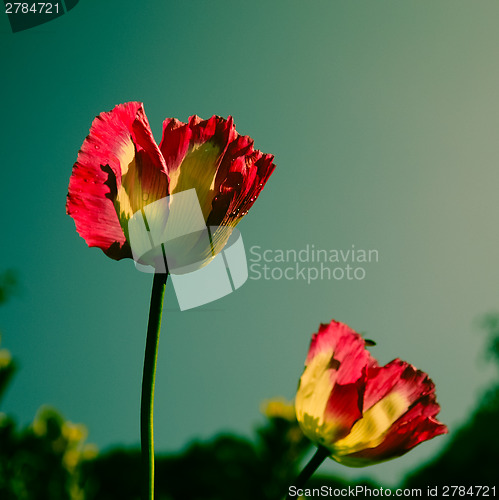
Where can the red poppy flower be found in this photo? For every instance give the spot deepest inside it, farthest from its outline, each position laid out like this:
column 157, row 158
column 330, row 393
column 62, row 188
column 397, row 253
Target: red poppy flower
column 361, row 412
column 120, row 170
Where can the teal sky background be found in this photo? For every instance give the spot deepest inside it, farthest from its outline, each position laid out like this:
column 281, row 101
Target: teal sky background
column 383, row 117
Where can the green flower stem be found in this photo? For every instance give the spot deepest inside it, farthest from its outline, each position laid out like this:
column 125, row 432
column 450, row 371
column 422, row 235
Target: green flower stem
column 320, row 455
column 147, row 400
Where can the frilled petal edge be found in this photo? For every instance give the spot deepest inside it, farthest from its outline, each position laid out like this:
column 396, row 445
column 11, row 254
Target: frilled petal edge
column 416, row 426
column 101, row 197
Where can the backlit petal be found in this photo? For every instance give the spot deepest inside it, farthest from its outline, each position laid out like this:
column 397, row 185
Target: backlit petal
column 119, row 169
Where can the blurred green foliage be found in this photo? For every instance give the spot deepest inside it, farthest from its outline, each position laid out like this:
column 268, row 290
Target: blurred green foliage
column 41, row 462
column 216, row 470
column 7, row 370
column 8, row 285
column 491, row 324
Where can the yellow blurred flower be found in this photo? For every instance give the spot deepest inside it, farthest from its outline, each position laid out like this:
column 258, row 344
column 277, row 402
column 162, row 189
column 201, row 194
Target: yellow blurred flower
column 279, row 408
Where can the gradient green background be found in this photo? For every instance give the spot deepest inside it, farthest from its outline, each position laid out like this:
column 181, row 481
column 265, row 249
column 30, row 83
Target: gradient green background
column 383, row 117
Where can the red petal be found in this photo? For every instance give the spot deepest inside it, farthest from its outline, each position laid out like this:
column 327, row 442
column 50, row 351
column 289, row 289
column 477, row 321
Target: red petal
column 234, row 158
column 418, row 424
column 401, row 438
column 175, row 142
column 344, row 406
column 97, row 174
column 396, row 376
column 216, row 129
column 227, row 180
column 179, row 138
column 241, row 177
column 347, row 349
